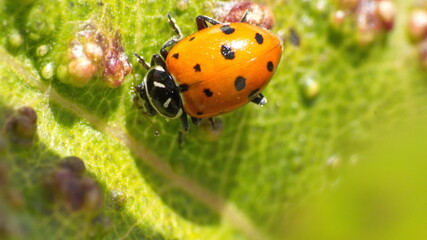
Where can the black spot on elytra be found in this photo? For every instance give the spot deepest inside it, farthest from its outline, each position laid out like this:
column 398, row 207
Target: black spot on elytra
column 270, row 66
column 259, row 39
column 240, row 83
column 183, row 87
column 199, row 113
column 227, row 29
column 208, row 92
column 227, row 52
column 191, row 39
column 197, row 68
column 253, row 93
column 176, row 55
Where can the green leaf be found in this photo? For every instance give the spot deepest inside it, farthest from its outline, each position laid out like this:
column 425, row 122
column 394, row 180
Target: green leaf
column 241, row 185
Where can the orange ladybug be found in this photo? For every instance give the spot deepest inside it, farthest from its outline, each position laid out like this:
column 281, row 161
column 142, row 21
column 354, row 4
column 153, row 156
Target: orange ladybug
column 211, row 72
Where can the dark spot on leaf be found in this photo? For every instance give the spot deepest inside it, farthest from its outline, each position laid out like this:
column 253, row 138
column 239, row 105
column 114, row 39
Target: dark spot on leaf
column 73, row 164
column 294, row 37
column 240, row 83
column 21, row 127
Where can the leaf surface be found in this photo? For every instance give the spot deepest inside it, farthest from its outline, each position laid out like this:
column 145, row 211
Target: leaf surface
column 239, row 186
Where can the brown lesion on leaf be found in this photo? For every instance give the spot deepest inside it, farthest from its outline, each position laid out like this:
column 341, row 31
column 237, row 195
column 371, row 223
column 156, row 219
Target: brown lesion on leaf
column 68, row 185
column 417, row 28
column 372, row 18
column 20, row 127
column 94, row 52
column 258, row 14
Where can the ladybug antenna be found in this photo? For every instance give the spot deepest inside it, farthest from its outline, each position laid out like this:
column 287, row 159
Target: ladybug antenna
column 156, row 130
column 142, row 61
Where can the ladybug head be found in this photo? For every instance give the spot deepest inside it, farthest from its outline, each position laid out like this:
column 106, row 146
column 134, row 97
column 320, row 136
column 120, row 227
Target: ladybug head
column 141, row 100
column 159, row 94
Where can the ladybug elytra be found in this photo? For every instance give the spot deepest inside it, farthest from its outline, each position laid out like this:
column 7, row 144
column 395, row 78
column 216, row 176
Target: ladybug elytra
column 211, row 72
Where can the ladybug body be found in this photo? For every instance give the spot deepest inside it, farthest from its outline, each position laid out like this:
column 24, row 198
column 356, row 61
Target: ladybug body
column 211, row 72
column 223, row 67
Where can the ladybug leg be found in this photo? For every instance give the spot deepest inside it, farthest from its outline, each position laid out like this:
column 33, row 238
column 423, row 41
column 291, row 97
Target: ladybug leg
column 196, row 121
column 158, row 60
column 184, row 122
column 174, row 39
column 212, row 123
column 180, row 139
column 155, row 60
column 245, row 16
column 164, row 53
column 142, row 61
column 175, row 27
column 260, row 100
column 202, row 22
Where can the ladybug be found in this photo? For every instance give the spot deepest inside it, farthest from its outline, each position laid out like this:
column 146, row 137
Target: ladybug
column 215, row 70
